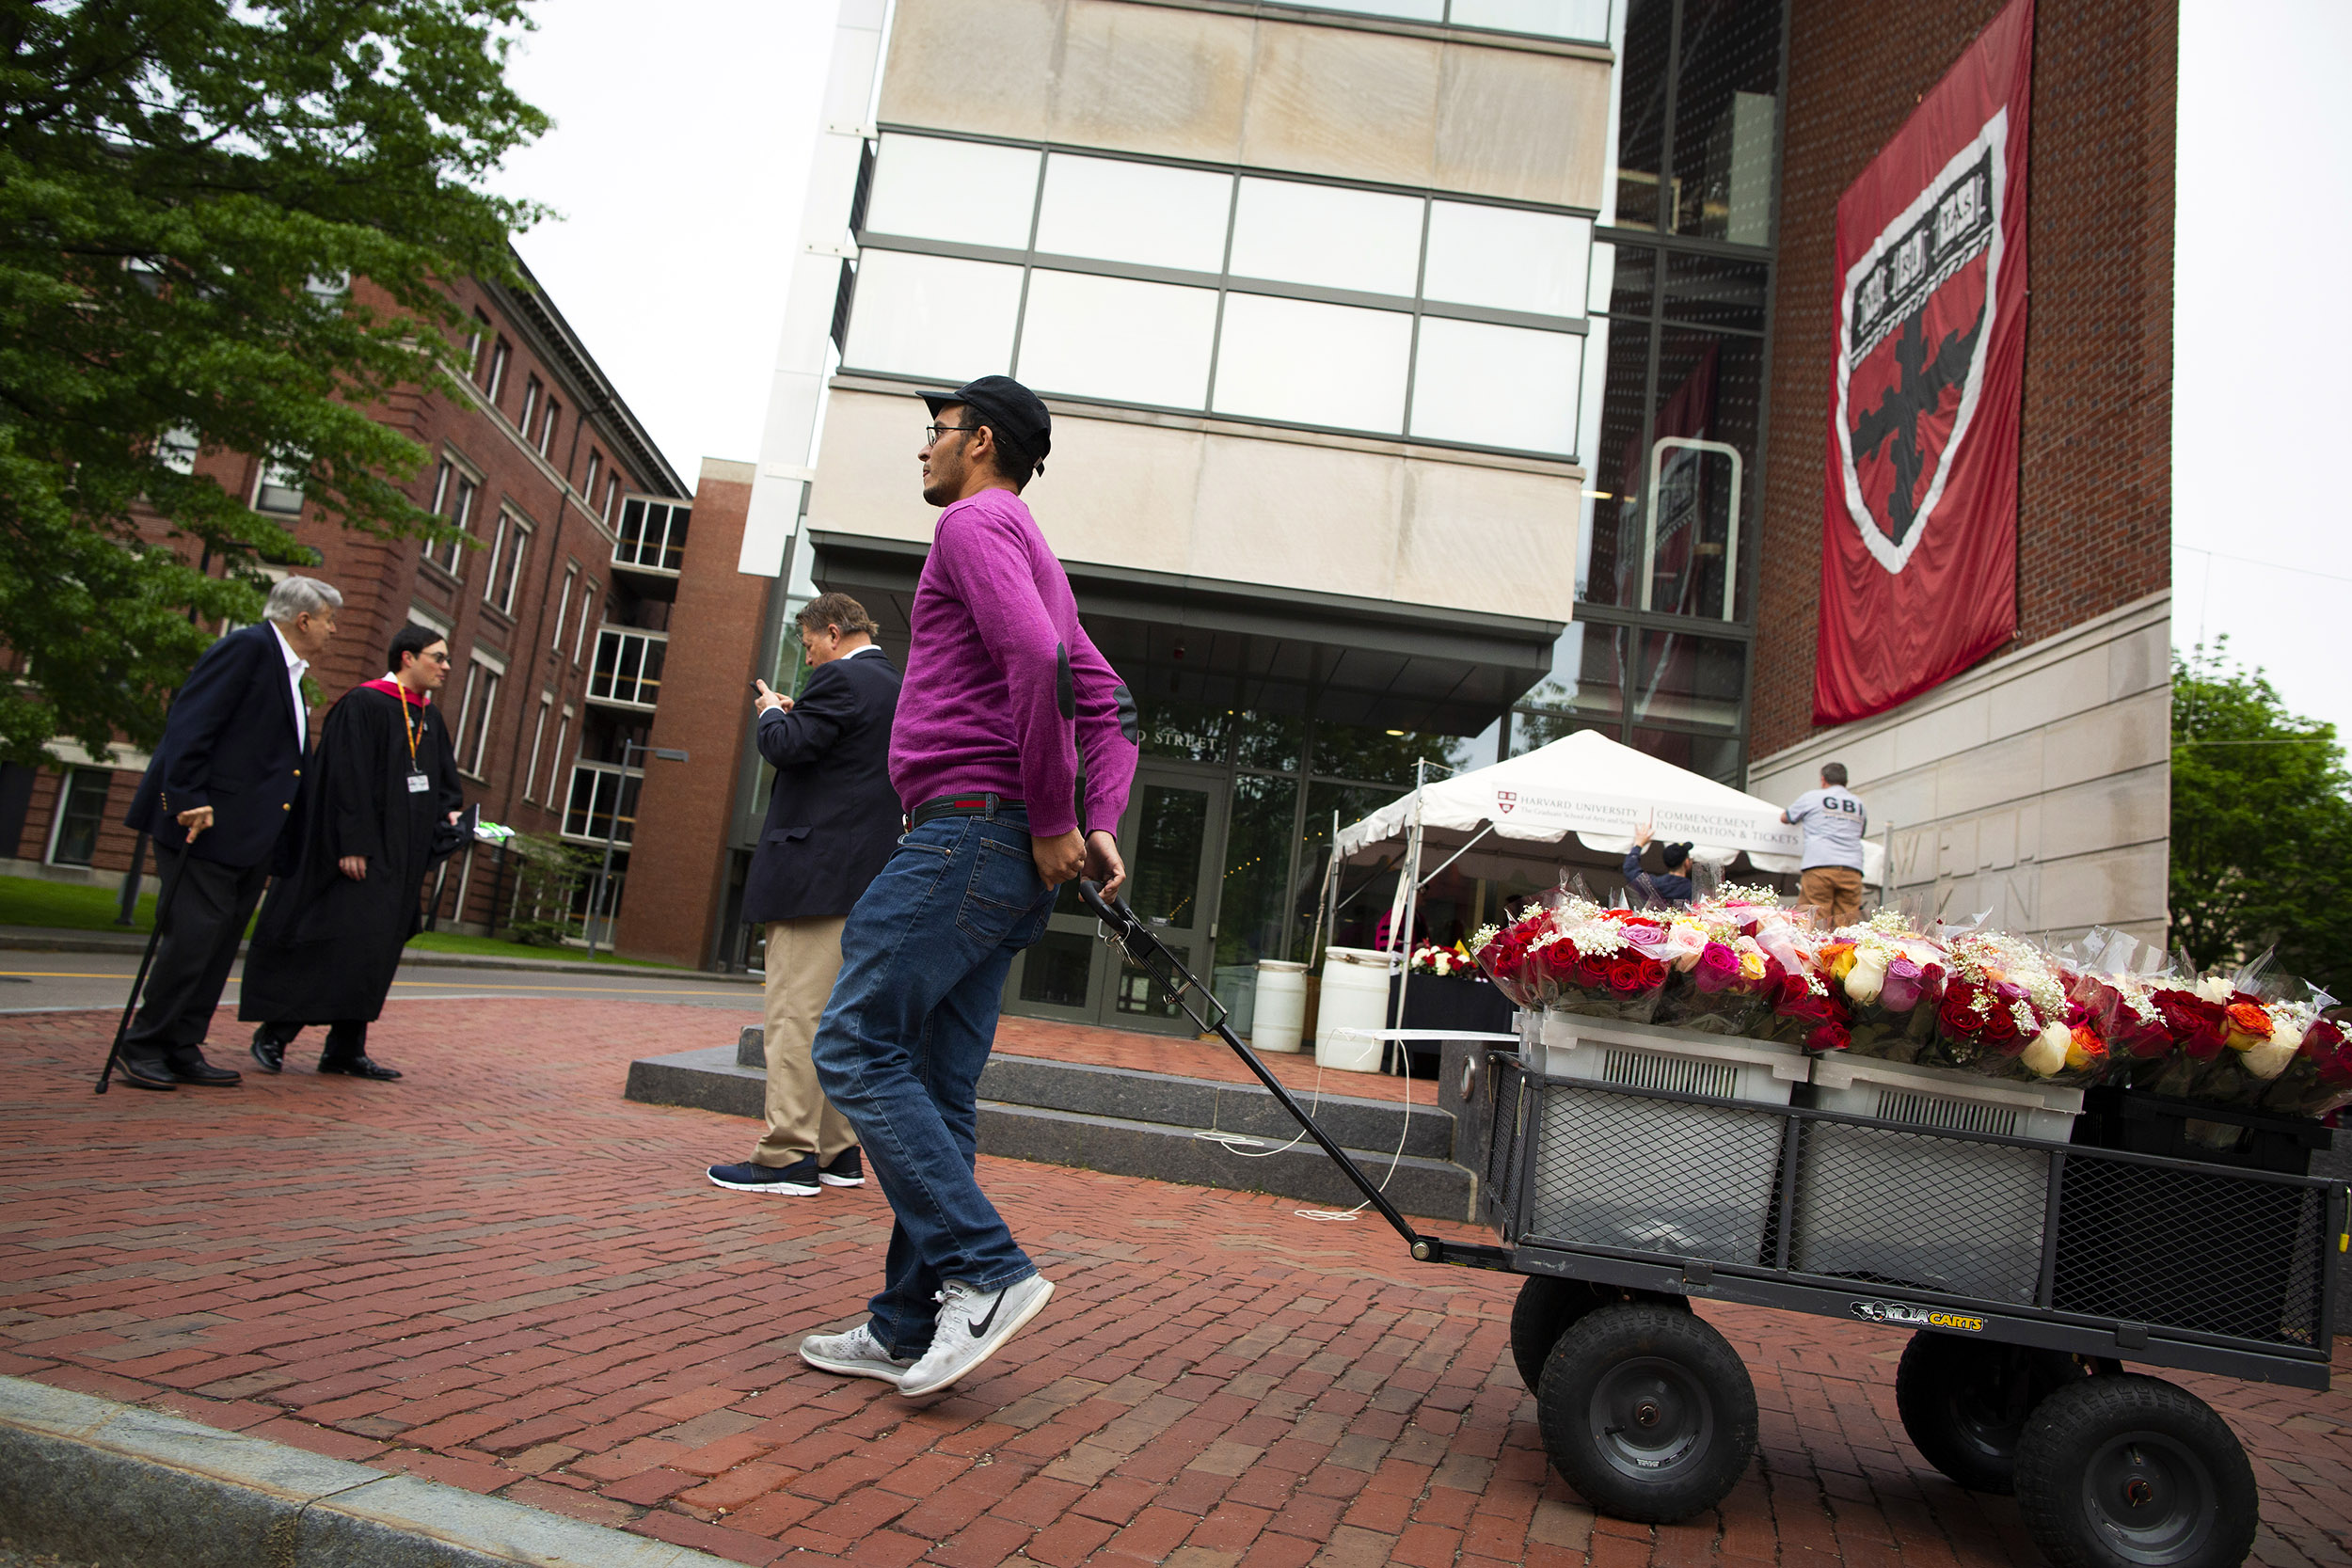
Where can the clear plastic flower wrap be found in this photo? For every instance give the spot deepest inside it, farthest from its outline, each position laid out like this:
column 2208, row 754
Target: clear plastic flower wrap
column 1891, row 978
column 2318, row 1079
column 2005, row 1013
column 1577, row 956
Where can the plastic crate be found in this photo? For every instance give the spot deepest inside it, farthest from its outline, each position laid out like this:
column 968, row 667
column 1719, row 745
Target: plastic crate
column 1657, row 1175
column 1651, row 1056
column 1914, row 1208
column 2191, row 1130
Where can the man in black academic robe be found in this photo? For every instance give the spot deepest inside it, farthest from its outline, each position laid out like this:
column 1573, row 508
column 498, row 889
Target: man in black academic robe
column 383, row 786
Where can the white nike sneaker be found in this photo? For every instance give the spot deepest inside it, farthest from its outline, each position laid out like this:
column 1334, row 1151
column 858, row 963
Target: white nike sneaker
column 973, row 1326
column 856, row 1353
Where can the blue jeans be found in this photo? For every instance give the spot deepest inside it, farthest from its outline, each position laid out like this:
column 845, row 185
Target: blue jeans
column 904, row 1036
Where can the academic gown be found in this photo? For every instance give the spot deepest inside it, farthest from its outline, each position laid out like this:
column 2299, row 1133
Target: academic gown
column 326, row 946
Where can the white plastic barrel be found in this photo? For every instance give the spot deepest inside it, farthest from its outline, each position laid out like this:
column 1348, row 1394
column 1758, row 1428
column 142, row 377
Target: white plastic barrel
column 1355, row 997
column 1281, row 1006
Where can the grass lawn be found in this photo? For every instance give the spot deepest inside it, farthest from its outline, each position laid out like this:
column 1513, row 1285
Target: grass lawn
column 30, row 901
column 90, row 906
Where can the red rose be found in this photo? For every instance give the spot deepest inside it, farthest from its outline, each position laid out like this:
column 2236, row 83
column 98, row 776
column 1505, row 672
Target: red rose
column 1999, row 1028
column 1828, row 1037
column 1625, row 974
column 1591, row 973
column 1653, row 974
column 1962, row 1010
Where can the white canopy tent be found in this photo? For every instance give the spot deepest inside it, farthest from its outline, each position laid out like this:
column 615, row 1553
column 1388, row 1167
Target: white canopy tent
column 1589, row 785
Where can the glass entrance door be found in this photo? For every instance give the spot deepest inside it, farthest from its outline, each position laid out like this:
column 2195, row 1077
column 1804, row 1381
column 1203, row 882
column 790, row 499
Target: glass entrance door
column 1172, row 837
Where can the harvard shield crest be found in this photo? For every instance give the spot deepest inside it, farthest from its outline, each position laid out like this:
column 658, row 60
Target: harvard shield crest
column 1916, row 320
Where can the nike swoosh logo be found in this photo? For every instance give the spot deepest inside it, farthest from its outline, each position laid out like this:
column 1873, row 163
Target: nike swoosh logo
column 980, row 1327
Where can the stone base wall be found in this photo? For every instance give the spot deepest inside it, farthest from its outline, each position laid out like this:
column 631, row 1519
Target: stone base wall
column 2037, row 786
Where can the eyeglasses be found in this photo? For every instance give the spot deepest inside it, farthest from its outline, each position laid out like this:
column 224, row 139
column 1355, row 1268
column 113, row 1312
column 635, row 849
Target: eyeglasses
column 936, row 431
column 438, row 658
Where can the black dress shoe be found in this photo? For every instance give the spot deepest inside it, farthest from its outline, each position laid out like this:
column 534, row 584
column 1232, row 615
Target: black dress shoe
column 144, row 1075
column 267, row 1051
column 360, row 1066
column 205, row 1073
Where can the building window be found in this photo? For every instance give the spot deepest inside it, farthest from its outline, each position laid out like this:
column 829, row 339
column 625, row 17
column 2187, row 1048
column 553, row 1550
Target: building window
column 453, row 491
column 628, row 671
column 494, row 381
column 595, row 462
column 81, row 812
column 652, row 535
column 475, row 337
column 555, row 769
column 1315, row 304
column 531, row 393
column 475, row 712
column 580, row 628
column 279, row 488
column 508, row 544
column 564, row 605
column 175, row 449
column 539, row 735
column 612, row 495
column 547, row 425
column 603, row 801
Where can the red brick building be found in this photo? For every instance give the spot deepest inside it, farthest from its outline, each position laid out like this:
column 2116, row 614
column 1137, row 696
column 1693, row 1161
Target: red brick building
column 558, row 610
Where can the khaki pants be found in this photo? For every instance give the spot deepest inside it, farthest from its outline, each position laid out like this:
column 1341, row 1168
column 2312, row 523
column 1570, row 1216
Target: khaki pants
column 804, row 956
column 1834, row 889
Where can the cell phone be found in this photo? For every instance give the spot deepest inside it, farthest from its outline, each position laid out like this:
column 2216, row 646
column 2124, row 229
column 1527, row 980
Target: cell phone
column 755, row 685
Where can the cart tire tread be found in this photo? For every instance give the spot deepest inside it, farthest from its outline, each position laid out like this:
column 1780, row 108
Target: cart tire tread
column 1547, row 1308
column 1964, row 1403
column 2123, row 1469
column 1648, row 1412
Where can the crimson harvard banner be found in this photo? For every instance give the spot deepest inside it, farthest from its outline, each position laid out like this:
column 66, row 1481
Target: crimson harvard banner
column 1919, row 547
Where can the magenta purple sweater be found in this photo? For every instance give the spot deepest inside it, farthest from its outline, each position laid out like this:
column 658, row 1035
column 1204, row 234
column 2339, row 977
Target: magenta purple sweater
column 978, row 711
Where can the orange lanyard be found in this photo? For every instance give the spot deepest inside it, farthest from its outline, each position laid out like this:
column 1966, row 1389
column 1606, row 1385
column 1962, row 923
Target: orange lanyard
column 410, row 730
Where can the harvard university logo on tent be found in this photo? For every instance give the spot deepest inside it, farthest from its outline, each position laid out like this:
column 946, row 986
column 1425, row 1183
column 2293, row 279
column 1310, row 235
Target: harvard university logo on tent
column 1505, row 800
column 1914, row 322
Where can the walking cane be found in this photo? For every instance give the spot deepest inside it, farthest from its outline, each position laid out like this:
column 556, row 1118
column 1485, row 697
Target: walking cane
column 138, row 984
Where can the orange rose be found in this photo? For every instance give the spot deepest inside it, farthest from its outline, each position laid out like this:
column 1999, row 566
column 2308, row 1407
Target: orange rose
column 2249, row 1025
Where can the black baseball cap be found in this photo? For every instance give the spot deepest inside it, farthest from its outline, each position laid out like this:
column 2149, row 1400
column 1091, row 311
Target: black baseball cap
column 1016, row 414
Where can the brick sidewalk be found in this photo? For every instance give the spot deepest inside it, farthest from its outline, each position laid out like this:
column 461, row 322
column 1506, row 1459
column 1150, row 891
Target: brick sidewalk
column 501, row 1275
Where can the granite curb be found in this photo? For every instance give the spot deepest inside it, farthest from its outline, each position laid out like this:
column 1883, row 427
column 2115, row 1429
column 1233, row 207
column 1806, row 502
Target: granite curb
column 34, row 938
column 91, row 1477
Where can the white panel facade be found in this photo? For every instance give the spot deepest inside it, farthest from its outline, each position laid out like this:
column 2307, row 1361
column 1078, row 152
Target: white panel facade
column 2037, row 786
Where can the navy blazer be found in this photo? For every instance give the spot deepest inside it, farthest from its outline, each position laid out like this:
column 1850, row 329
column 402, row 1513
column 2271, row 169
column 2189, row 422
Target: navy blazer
column 832, row 817
column 229, row 743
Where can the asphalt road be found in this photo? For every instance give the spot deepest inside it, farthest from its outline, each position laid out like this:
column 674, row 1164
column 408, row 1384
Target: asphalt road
column 43, row 982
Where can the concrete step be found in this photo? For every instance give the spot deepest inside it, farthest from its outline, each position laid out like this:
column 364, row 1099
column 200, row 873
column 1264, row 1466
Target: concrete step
column 1131, row 1123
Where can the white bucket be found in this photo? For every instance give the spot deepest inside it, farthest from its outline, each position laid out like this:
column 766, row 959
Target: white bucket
column 1354, row 998
column 1282, row 1009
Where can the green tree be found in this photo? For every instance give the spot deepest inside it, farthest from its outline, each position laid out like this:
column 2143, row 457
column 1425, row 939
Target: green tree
column 2262, row 826
column 186, row 187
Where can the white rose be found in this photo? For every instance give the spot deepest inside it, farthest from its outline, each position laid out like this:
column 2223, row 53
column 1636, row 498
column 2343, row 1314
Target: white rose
column 2047, row 1053
column 2285, row 1031
column 2268, row 1059
column 2213, row 987
column 1867, row 976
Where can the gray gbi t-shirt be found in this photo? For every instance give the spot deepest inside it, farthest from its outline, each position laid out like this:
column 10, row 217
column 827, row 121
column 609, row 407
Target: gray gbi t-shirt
column 1834, row 823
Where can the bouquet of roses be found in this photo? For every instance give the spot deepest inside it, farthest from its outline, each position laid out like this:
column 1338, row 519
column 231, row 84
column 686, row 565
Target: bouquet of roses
column 1574, row 956
column 2005, row 1013
column 1443, row 962
column 2318, row 1079
column 2261, row 1028
column 1723, row 978
column 1891, row 979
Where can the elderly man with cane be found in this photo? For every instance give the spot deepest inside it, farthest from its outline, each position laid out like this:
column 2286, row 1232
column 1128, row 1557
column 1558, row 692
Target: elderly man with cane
column 982, row 757
column 217, row 801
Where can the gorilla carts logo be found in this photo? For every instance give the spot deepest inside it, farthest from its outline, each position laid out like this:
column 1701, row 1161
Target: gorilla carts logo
column 1913, row 327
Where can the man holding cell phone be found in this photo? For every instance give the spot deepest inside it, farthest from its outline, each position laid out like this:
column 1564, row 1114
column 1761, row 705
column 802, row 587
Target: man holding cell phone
column 833, row 821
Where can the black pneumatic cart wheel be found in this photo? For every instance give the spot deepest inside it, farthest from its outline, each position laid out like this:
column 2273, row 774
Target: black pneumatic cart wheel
column 1548, row 1306
column 2124, row 1471
column 1965, row 1403
column 1646, row 1412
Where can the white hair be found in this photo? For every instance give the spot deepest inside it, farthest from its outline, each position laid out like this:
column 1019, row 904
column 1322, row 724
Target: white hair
column 293, row 595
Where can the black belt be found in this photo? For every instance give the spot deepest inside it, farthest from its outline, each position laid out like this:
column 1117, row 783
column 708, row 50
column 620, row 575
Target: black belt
column 984, row 804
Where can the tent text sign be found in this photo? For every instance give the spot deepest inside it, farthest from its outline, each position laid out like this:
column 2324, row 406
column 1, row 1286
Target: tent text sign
column 1522, row 811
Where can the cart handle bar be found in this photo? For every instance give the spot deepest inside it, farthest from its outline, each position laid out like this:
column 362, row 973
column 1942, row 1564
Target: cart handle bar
column 1152, row 955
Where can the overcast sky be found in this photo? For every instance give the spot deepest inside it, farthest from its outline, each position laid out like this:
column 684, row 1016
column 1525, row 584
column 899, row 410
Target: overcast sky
column 681, row 152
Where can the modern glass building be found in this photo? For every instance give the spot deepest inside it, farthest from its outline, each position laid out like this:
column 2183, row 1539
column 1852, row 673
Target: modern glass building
column 1405, row 361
